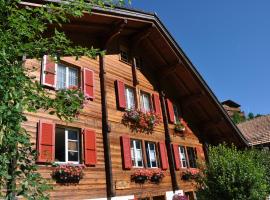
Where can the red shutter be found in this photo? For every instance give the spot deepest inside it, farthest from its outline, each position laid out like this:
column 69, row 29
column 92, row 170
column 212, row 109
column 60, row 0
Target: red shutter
column 163, row 155
column 157, row 104
column 170, row 111
column 48, row 72
column 176, row 156
column 126, row 154
column 120, row 93
column 46, row 141
column 200, row 152
column 90, row 152
column 88, row 83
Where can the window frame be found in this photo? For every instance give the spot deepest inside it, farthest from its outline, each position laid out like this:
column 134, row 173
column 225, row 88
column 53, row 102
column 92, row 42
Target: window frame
column 176, row 112
column 134, row 96
column 134, row 149
column 181, row 157
column 66, row 145
column 193, row 159
column 142, row 104
column 148, row 153
column 67, row 69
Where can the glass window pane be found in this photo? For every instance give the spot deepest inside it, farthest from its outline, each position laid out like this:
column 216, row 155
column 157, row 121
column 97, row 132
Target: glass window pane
column 60, row 145
column 72, row 135
column 130, row 99
column 138, row 144
column 140, row 163
column 61, row 77
column 73, row 156
column 176, row 115
column 73, row 77
column 145, row 102
column 73, row 146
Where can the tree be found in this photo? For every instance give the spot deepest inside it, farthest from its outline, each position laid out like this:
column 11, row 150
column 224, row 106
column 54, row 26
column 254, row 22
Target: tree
column 250, row 115
column 231, row 174
column 237, row 118
column 22, row 31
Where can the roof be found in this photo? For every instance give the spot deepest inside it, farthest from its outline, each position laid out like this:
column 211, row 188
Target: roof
column 231, row 103
column 257, row 130
column 201, row 107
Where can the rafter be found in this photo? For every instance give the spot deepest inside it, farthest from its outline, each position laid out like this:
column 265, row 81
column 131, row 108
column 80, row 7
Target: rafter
column 141, row 35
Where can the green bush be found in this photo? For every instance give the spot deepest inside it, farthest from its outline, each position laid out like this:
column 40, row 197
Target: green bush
column 231, row 174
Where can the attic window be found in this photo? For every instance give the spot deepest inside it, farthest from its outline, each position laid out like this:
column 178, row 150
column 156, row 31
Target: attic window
column 138, row 62
column 124, row 55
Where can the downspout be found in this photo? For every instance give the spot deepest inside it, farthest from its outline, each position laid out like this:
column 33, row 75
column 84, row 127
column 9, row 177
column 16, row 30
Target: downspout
column 168, row 141
column 106, row 130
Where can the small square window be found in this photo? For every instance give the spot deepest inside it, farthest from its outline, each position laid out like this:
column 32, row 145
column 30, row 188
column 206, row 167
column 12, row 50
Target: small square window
column 66, row 76
column 124, row 55
column 67, row 145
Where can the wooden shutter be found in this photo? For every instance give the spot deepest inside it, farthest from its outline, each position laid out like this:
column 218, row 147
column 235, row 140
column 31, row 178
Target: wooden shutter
column 88, row 83
column 176, row 156
column 90, row 152
column 163, row 155
column 157, row 104
column 126, row 154
column 48, row 75
column 120, row 93
column 170, row 111
column 200, row 152
column 46, row 141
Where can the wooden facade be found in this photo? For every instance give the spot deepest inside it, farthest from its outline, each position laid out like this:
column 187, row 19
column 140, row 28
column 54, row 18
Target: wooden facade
column 141, row 55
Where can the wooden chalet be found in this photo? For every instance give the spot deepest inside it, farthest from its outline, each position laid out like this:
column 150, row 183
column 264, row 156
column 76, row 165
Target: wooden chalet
column 143, row 68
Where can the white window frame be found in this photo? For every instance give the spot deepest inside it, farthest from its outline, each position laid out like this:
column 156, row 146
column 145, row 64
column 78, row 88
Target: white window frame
column 181, row 156
column 135, row 153
column 143, row 102
column 67, row 84
column 128, row 101
column 66, row 146
column 149, row 153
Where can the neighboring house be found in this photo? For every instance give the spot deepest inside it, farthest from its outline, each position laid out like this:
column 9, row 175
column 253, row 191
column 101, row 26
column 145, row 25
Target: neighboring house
column 232, row 108
column 143, row 68
column 257, row 131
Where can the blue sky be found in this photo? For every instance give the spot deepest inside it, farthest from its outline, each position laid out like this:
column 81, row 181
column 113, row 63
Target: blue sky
column 227, row 40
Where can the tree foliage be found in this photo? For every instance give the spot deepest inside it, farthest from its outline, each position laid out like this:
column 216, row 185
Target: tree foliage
column 231, row 174
column 22, row 31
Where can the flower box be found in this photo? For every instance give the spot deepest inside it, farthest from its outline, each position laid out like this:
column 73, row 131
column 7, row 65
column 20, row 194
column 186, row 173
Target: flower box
column 139, row 121
column 180, row 126
column 179, row 197
column 190, row 174
column 142, row 175
column 68, row 173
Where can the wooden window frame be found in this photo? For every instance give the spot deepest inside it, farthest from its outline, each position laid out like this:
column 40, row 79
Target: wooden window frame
column 176, row 112
column 133, row 141
column 148, row 154
column 181, row 158
column 142, row 101
column 67, row 67
column 66, row 145
column 134, row 94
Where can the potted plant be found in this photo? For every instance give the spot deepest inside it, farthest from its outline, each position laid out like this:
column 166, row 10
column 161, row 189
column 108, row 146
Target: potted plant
column 157, row 176
column 139, row 121
column 190, row 174
column 141, row 176
column 67, row 173
column 180, row 126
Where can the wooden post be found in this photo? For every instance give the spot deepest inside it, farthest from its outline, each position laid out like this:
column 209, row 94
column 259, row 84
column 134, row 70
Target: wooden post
column 106, row 130
column 168, row 142
column 134, row 72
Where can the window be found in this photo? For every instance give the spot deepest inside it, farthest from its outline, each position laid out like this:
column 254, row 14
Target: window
column 66, row 76
column 176, row 113
column 183, row 157
column 124, row 55
column 145, row 102
column 138, row 62
column 130, row 97
column 136, row 153
column 67, row 145
column 151, row 154
column 192, row 156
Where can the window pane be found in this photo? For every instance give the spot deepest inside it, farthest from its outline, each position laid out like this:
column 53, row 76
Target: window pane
column 73, row 77
column 138, row 144
column 176, row 114
column 73, row 146
column 145, row 102
column 192, row 157
column 73, row 156
column 72, row 135
column 183, row 156
column 61, row 77
column 60, row 145
column 130, row 100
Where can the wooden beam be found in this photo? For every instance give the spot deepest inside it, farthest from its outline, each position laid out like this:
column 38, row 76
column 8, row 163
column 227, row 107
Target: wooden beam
column 140, row 36
column 114, row 32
